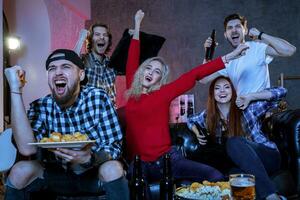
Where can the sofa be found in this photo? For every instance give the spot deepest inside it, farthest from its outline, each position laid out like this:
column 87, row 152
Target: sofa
column 283, row 128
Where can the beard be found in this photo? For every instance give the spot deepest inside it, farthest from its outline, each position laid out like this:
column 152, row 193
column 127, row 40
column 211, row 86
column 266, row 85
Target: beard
column 67, row 98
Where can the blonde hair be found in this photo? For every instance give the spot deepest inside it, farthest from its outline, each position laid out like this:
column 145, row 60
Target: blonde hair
column 136, row 85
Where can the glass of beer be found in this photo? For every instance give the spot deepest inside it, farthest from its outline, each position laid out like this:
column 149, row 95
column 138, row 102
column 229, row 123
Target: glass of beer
column 242, row 186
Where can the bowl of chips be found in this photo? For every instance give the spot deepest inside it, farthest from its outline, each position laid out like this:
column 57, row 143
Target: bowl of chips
column 205, row 190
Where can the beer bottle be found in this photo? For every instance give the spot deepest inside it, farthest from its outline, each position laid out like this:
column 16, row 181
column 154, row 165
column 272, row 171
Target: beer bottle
column 137, row 185
column 167, row 182
column 209, row 53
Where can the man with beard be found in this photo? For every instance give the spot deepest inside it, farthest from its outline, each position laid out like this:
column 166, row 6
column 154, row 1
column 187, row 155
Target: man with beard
column 250, row 73
column 98, row 73
column 69, row 108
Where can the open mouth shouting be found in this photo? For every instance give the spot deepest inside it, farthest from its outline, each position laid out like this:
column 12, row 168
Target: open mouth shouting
column 235, row 38
column 148, row 78
column 60, row 86
column 100, row 44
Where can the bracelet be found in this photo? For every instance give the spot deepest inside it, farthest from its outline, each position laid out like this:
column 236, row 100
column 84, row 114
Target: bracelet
column 15, row 92
column 260, row 34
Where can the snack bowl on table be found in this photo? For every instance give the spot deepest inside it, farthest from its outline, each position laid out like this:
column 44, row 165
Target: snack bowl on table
column 206, row 190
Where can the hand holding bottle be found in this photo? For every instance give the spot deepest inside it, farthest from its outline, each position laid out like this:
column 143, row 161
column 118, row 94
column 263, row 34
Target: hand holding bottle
column 210, row 45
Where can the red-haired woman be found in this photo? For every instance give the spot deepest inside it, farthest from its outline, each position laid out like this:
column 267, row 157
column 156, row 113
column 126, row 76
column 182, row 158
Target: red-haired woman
column 234, row 139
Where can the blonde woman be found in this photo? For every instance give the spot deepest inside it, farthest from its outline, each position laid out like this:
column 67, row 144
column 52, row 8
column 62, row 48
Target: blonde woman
column 147, row 110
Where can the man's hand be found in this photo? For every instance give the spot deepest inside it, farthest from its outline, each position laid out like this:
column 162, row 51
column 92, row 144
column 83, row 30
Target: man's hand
column 242, row 102
column 16, row 78
column 254, row 33
column 74, row 156
column 208, row 43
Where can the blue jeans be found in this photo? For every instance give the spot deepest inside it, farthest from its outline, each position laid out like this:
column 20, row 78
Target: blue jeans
column 60, row 181
column 182, row 168
column 256, row 159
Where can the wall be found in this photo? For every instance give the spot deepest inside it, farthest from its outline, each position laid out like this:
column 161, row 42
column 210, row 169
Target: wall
column 43, row 26
column 186, row 25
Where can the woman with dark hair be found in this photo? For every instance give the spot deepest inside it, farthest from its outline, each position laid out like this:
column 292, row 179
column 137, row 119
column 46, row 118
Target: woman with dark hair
column 227, row 141
column 147, row 111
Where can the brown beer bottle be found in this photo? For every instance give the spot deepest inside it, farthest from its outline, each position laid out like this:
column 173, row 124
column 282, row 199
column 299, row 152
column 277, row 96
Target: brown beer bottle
column 167, row 182
column 137, row 185
column 209, row 53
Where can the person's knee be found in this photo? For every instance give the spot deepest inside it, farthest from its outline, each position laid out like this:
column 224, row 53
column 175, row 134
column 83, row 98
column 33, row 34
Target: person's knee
column 22, row 173
column 111, row 170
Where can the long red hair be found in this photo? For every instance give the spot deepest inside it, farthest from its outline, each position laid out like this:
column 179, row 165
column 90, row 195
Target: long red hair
column 234, row 126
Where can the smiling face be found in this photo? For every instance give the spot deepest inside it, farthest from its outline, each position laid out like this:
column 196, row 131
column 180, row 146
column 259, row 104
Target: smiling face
column 235, row 32
column 100, row 40
column 222, row 91
column 152, row 75
column 64, row 81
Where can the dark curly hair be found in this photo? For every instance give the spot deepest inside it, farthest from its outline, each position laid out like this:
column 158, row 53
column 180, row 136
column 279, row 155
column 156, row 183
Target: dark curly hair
column 89, row 39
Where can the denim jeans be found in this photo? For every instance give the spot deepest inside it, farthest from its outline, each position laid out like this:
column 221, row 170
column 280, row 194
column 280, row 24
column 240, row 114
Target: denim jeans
column 60, row 181
column 182, row 168
column 256, row 159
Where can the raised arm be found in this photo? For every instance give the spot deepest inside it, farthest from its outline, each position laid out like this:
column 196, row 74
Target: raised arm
column 276, row 46
column 134, row 50
column 22, row 130
column 188, row 80
column 273, row 94
column 82, row 36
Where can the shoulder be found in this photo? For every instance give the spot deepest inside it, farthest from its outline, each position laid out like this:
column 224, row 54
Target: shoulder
column 42, row 101
column 41, row 104
column 85, row 56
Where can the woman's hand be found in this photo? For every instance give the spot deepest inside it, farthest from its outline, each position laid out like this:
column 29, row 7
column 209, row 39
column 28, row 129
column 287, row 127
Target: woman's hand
column 139, row 15
column 138, row 18
column 200, row 137
column 236, row 53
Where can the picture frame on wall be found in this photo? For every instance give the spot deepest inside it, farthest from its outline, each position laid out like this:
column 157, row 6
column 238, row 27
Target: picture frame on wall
column 181, row 108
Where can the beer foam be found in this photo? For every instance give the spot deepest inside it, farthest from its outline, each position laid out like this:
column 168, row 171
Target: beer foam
column 241, row 182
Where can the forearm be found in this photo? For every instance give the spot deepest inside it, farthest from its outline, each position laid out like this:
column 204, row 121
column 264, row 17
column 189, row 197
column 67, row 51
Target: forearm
column 136, row 33
column 80, row 41
column 280, row 46
column 22, row 131
column 263, row 95
column 132, row 61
